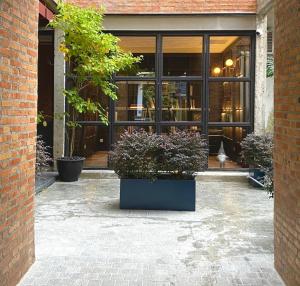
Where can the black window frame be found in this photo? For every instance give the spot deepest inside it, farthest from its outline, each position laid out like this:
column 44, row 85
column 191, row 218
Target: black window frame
column 205, row 78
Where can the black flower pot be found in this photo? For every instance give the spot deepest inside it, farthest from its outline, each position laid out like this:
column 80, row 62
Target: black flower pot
column 69, row 168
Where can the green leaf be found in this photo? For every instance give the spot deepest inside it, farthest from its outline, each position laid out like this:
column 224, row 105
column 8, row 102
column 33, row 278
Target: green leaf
column 94, row 55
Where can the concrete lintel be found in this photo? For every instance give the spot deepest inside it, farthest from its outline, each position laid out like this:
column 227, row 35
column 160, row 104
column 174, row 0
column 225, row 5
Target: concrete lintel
column 179, row 22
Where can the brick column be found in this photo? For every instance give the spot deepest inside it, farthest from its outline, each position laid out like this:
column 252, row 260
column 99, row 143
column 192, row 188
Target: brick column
column 18, row 103
column 287, row 140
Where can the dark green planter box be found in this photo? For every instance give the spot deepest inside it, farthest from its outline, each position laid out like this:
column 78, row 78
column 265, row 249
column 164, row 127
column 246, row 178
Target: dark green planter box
column 256, row 177
column 177, row 195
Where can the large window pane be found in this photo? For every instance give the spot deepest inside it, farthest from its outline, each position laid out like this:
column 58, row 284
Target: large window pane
column 119, row 130
column 181, row 100
column 96, row 95
column 230, row 56
column 226, row 140
column 140, row 46
column 136, row 101
column 229, row 102
column 92, row 142
column 182, row 56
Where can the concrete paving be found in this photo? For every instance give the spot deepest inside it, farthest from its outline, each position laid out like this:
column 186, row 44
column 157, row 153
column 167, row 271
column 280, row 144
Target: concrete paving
column 83, row 238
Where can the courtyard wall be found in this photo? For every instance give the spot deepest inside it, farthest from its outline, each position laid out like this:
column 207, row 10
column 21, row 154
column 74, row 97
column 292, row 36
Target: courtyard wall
column 287, row 140
column 18, row 103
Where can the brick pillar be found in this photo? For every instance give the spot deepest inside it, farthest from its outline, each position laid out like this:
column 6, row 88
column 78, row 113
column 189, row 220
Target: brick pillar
column 287, row 140
column 18, row 103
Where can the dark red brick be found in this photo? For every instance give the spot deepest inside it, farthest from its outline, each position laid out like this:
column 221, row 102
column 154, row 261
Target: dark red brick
column 287, row 134
column 18, row 89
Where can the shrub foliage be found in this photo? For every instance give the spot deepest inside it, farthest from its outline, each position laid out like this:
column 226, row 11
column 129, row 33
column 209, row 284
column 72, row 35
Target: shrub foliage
column 142, row 155
column 43, row 157
column 257, row 151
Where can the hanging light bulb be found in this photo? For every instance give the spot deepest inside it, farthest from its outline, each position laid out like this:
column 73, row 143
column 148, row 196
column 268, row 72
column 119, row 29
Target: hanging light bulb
column 217, row 71
column 229, row 63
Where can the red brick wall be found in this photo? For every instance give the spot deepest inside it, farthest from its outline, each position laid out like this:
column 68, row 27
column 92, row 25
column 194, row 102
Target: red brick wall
column 172, row 6
column 287, row 140
column 18, row 99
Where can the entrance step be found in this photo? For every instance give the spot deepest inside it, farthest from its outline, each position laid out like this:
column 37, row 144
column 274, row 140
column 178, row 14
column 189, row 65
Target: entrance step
column 222, row 176
column 208, row 176
column 98, row 174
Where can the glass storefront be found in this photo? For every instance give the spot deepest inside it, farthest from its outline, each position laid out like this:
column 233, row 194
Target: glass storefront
column 181, row 100
column 92, row 142
column 229, row 56
column 198, row 82
column 140, row 46
column 229, row 101
column 136, row 101
column 172, row 129
column 182, row 56
column 225, row 140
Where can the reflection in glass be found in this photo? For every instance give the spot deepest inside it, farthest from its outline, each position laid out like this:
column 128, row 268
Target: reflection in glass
column 182, row 56
column 181, row 101
column 136, row 101
column 140, row 46
column 229, row 56
column 226, row 140
column 119, row 130
column 92, row 142
column 172, row 129
column 229, row 102
column 95, row 94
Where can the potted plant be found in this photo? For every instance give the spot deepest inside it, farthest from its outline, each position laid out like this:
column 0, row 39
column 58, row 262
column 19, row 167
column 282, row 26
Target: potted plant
column 157, row 171
column 257, row 152
column 93, row 58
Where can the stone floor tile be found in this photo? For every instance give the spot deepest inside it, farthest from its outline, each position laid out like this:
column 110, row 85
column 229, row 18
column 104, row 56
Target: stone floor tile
column 84, row 239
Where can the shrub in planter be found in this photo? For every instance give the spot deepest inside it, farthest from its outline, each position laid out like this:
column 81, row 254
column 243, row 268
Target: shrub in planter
column 257, row 152
column 156, row 171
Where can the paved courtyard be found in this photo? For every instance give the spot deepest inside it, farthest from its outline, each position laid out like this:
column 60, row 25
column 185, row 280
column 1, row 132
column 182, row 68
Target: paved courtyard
column 83, row 238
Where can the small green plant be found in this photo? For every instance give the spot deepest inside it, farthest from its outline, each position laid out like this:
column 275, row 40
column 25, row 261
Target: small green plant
column 93, row 57
column 142, row 155
column 41, row 119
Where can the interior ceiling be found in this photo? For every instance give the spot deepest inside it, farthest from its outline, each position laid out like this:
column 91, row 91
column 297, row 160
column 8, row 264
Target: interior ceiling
column 187, row 44
column 221, row 43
